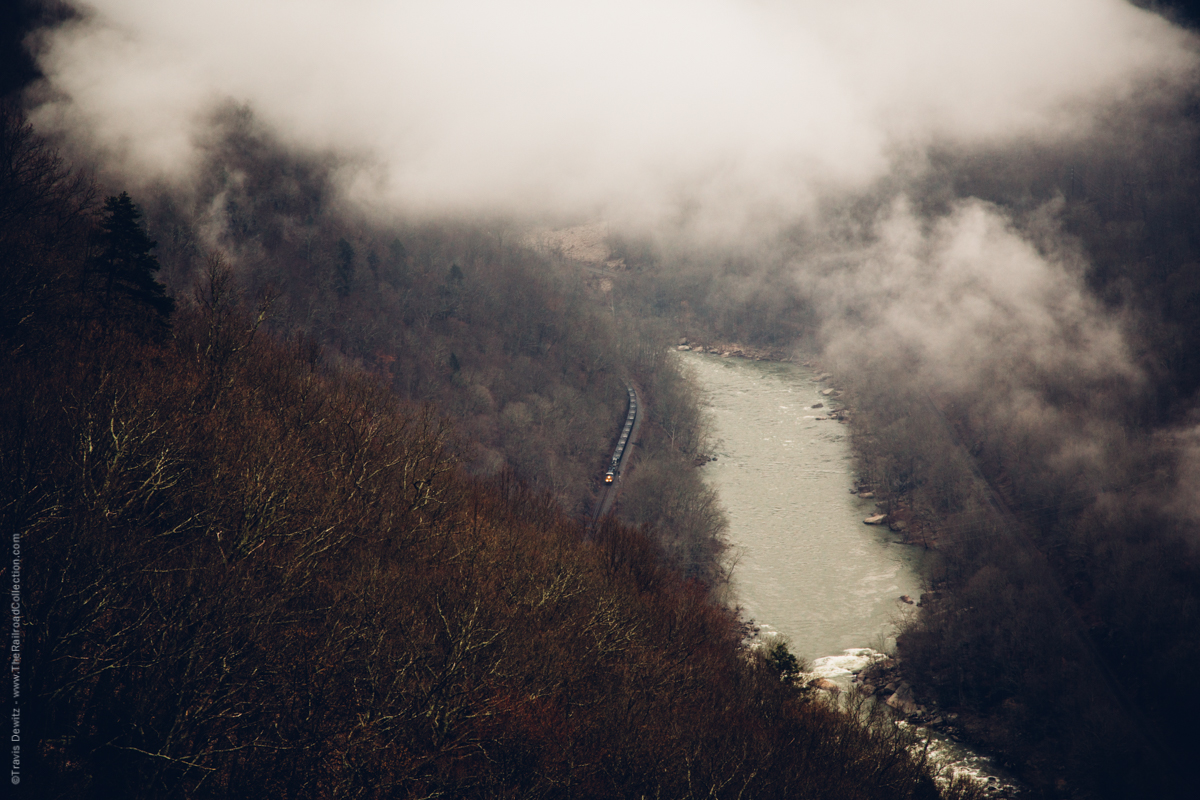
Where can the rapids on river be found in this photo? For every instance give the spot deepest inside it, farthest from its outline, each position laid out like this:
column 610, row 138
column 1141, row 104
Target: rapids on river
column 805, row 566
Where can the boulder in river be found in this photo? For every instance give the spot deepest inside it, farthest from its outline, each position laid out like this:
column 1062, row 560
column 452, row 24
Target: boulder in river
column 683, row 347
column 905, row 599
column 878, row 519
column 827, row 392
column 818, row 405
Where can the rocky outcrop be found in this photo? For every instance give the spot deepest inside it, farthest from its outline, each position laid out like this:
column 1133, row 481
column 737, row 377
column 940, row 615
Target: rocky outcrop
column 902, row 700
column 730, row 350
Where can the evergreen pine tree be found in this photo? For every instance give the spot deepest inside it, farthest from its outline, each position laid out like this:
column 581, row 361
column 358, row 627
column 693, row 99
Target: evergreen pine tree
column 122, row 273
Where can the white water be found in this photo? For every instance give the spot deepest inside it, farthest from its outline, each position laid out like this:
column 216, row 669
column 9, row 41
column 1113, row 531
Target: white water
column 806, row 565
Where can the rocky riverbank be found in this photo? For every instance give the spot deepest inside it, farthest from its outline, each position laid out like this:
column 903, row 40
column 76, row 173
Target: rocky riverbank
column 863, row 675
column 735, row 350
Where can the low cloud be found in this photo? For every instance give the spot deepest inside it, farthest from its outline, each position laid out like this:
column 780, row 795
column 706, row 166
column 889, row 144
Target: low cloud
column 729, row 115
column 725, row 121
column 970, row 297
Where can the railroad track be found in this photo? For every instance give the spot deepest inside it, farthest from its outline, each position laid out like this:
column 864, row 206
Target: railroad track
column 621, row 453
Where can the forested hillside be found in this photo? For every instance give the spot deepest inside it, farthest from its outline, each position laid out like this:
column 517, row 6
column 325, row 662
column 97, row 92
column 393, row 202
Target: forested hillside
column 508, row 340
column 1071, row 621
column 301, row 427
column 247, row 569
column 1015, row 335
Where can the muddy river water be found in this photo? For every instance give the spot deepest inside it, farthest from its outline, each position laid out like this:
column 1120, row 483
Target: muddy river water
column 805, row 565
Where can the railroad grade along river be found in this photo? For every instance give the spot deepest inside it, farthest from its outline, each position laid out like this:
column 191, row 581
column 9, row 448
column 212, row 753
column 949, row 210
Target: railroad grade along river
column 806, row 565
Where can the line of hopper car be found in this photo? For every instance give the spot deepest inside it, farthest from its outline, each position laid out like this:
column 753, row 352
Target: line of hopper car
column 615, row 469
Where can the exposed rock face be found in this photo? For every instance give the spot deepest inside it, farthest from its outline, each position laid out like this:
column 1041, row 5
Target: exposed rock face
column 903, row 701
column 583, row 243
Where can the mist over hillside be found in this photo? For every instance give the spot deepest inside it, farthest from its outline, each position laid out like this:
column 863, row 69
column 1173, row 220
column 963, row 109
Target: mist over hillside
column 829, row 138
column 724, row 126
column 723, row 119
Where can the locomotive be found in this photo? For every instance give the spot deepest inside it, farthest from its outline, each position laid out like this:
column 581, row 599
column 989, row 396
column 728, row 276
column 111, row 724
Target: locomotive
column 615, row 469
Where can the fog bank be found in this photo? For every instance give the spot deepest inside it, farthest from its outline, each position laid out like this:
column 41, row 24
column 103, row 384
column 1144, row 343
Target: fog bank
column 729, row 116
column 708, row 121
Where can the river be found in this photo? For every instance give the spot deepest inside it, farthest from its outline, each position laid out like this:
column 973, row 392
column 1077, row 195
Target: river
column 805, row 564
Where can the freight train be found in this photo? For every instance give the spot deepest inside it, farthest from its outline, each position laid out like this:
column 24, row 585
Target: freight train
column 615, row 469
